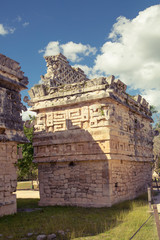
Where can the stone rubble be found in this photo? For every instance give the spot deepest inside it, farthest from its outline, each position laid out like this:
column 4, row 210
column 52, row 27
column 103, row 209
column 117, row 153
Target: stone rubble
column 93, row 142
column 48, row 237
column 51, row 236
column 41, row 237
column 29, row 234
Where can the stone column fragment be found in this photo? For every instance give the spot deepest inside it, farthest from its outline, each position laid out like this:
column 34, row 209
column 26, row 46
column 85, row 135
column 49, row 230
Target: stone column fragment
column 12, row 81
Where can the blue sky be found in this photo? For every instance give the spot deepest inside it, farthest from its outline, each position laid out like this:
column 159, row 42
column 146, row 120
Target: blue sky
column 119, row 37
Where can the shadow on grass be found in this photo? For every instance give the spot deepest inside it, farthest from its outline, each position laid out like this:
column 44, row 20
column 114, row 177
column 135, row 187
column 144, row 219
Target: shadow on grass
column 73, row 221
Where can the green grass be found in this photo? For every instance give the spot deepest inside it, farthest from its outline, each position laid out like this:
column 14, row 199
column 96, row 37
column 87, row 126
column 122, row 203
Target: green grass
column 130, row 224
column 116, row 223
column 26, row 185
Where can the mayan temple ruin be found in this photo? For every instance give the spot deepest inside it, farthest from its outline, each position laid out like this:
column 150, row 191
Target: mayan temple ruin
column 92, row 141
column 12, row 81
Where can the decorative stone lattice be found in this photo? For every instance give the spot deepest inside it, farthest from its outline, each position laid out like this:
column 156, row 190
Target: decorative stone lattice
column 12, row 81
column 59, row 72
column 92, row 141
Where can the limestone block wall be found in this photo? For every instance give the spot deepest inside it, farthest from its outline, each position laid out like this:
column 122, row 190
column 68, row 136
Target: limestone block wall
column 8, row 178
column 12, row 81
column 92, row 142
column 81, row 183
column 128, row 179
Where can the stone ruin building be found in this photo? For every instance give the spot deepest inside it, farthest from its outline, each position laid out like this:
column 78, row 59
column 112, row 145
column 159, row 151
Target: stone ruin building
column 12, row 81
column 92, row 140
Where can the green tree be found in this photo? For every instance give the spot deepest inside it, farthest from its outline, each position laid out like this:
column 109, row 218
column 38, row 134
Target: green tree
column 156, row 148
column 156, row 140
column 153, row 109
column 27, row 170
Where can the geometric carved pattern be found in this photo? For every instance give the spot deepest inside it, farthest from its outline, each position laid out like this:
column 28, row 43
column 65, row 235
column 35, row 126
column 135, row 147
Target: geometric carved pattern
column 99, row 115
column 68, row 119
column 59, row 72
column 93, row 117
column 96, row 115
column 76, row 148
column 74, row 118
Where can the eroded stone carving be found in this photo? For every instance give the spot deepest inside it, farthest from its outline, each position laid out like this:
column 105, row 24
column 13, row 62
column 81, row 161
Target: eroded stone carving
column 92, row 141
column 12, row 81
column 59, row 72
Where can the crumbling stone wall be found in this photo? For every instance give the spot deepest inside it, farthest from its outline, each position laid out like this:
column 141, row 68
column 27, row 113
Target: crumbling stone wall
column 92, row 141
column 12, row 81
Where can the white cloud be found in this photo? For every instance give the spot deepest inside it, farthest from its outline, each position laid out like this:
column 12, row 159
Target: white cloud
column 132, row 53
column 73, row 51
column 152, row 96
column 25, row 24
column 133, row 49
column 3, row 31
column 40, row 51
column 52, row 48
column 11, row 30
column 19, row 19
column 89, row 71
column 6, row 30
column 25, row 115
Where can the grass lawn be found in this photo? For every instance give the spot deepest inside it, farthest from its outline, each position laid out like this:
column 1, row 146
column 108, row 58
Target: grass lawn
column 26, row 185
column 116, row 223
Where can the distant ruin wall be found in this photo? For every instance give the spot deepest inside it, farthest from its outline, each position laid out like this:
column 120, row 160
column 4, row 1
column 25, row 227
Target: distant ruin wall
column 92, row 141
column 12, row 81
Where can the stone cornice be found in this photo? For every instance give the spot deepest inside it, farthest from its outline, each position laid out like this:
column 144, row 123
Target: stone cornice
column 44, row 97
column 11, row 84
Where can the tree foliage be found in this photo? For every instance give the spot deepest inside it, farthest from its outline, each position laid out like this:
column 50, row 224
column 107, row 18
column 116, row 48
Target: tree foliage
column 27, row 170
column 156, row 147
column 153, row 109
